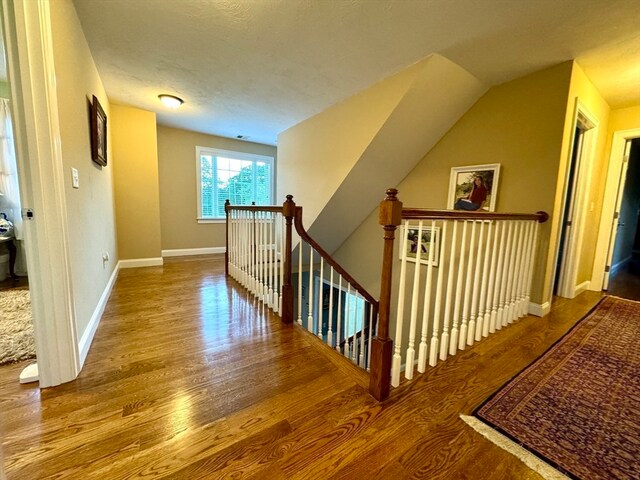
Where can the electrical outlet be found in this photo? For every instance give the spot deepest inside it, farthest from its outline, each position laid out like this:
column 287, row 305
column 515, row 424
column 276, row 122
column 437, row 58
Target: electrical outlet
column 75, row 178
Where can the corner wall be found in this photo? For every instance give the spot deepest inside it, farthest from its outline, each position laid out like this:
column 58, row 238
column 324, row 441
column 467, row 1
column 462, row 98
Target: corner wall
column 135, row 166
column 178, row 187
column 518, row 124
column 90, row 209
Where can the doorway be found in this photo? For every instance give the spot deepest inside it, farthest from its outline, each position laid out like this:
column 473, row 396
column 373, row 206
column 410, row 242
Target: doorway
column 17, row 338
column 622, row 274
column 574, row 209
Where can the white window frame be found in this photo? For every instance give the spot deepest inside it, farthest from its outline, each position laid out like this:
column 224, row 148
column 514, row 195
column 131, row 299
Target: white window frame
column 217, row 152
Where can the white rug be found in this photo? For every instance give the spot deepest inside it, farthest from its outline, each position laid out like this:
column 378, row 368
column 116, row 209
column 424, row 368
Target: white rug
column 16, row 329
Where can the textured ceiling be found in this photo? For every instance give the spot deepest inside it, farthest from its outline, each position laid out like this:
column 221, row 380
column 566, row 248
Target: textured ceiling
column 258, row 67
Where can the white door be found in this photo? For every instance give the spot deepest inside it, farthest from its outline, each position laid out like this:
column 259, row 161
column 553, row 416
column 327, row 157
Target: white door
column 616, row 213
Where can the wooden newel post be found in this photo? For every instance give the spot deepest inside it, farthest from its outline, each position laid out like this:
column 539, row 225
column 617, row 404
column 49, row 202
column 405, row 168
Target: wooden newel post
column 288, row 210
column 390, row 216
column 227, row 205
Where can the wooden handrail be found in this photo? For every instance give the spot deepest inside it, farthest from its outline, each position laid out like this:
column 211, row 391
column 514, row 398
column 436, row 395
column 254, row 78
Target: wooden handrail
column 331, row 261
column 429, row 214
column 258, row 208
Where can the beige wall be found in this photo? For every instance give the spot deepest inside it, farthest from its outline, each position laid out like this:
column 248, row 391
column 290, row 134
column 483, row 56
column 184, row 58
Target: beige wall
column 177, row 180
column 518, row 124
column 90, row 208
column 135, row 167
column 595, row 176
column 315, row 156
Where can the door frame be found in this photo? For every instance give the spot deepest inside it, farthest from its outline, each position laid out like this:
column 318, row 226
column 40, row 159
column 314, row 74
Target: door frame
column 616, row 162
column 584, row 119
column 28, row 38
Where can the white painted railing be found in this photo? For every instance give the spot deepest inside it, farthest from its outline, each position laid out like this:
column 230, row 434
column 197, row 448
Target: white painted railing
column 255, row 238
column 323, row 298
column 329, row 303
column 463, row 276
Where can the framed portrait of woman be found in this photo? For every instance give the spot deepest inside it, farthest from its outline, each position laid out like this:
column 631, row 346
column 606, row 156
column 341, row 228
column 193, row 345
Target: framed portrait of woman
column 474, row 187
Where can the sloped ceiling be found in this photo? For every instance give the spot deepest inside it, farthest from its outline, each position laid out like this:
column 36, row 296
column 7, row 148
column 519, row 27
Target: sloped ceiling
column 256, row 68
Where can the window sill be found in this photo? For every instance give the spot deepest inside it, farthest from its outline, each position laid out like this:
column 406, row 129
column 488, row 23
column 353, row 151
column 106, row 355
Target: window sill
column 212, row 220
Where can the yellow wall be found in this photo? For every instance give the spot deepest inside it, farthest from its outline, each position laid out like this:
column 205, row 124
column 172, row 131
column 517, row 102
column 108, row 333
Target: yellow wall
column 518, row 124
column 90, row 209
column 177, row 177
column 135, row 166
column 315, row 156
column 582, row 89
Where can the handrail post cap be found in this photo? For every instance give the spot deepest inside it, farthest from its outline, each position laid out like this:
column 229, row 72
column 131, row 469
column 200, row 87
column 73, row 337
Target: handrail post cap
column 289, row 207
column 542, row 216
column 390, row 209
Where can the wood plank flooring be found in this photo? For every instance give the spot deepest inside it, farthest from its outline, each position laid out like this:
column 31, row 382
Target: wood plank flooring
column 190, row 378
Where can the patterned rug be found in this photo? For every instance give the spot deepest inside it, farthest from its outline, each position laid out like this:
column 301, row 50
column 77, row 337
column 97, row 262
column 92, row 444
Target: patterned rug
column 16, row 329
column 577, row 407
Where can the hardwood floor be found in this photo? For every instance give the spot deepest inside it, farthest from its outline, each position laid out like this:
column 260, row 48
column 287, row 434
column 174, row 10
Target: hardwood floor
column 189, row 378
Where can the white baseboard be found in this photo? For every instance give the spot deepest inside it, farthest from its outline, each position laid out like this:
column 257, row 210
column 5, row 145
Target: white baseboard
column 581, row 288
column 539, row 310
column 87, row 337
column 183, row 252
column 141, row 262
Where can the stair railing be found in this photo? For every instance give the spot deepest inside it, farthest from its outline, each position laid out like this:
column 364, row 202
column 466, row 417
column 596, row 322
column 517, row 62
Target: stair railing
column 463, row 276
column 326, row 299
column 470, row 274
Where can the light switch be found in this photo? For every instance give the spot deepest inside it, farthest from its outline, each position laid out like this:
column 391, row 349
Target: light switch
column 75, row 179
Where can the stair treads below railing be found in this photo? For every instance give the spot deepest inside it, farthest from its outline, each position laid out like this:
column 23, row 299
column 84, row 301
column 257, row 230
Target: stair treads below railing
column 330, row 303
column 461, row 279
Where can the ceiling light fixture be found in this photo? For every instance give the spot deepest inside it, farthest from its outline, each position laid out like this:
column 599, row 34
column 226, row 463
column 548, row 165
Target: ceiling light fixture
column 170, row 101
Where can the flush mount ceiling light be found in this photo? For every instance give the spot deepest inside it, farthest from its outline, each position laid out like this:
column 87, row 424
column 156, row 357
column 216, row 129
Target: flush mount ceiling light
column 170, row 101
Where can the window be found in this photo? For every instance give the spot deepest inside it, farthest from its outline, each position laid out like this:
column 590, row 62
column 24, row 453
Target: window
column 240, row 177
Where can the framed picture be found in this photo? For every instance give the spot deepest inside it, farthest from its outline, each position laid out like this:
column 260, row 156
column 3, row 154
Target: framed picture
column 474, row 188
column 413, row 243
column 98, row 133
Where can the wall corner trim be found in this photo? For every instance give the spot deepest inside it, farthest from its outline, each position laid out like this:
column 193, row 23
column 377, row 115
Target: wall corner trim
column 87, row 337
column 539, row 310
column 584, row 286
column 141, row 262
column 182, row 252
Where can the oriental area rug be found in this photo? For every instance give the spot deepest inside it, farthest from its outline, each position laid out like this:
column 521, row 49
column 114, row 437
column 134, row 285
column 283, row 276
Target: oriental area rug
column 577, row 407
column 16, row 329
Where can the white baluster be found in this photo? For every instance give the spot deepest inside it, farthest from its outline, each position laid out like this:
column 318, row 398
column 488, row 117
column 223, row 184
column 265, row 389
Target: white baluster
column 482, row 306
column 310, row 289
column 502, row 315
column 244, row 238
column 348, row 316
column 320, row 295
column 276, row 266
column 495, row 318
column 362, row 335
column 397, row 358
column 282, row 257
column 411, row 353
column 263, row 256
column 489, row 318
column 433, row 353
column 462, row 340
column 270, row 257
column 426, row 308
column 370, row 336
column 330, row 315
column 453, row 342
column 517, row 307
column 509, row 271
column 524, row 276
column 513, row 314
column 339, row 326
column 300, row 282
column 512, row 273
column 534, row 248
column 354, row 350
column 476, row 288
column 444, row 340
